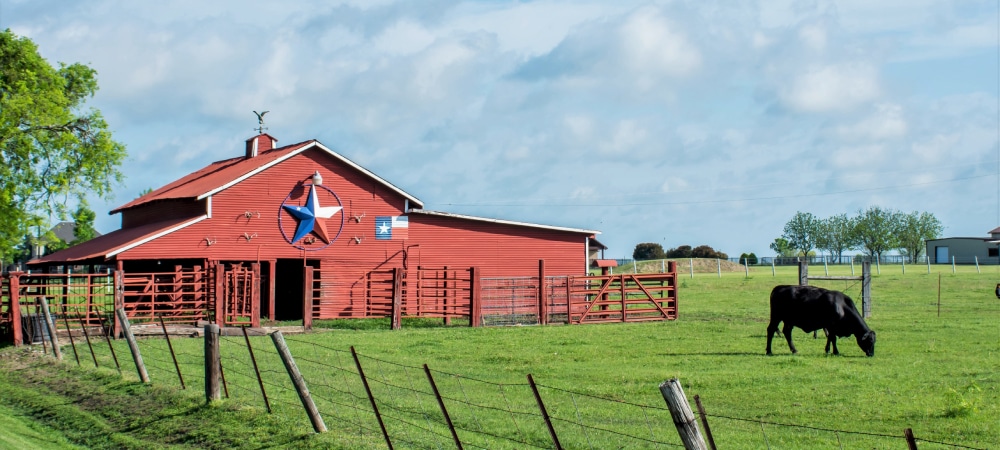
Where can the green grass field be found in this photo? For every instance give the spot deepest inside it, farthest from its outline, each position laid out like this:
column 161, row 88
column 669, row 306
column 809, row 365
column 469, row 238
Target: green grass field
column 936, row 374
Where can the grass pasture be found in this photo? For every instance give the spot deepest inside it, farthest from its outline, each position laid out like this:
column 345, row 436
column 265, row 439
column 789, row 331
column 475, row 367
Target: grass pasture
column 936, row 374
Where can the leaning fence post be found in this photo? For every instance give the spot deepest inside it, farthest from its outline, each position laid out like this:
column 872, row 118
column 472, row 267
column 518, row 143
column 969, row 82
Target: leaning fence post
column 133, row 346
column 977, row 263
column 172, row 354
column 704, row 421
column 444, row 411
column 371, row 398
column 911, row 442
column 684, row 419
column 545, row 414
column 71, row 343
column 256, row 370
column 51, row 327
column 298, row 381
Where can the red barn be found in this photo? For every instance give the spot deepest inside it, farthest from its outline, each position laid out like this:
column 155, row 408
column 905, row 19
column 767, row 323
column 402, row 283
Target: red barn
column 300, row 232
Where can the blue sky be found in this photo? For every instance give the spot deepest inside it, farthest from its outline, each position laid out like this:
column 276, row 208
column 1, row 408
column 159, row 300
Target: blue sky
column 675, row 122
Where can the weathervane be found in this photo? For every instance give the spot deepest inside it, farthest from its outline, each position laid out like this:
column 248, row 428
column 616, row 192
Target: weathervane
column 260, row 122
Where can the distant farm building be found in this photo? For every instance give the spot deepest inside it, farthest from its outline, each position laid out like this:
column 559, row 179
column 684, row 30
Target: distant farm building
column 300, row 232
column 965, row 250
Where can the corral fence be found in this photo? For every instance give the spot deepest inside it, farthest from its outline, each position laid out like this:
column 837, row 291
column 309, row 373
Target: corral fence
column 229, row 295
column 378, row 402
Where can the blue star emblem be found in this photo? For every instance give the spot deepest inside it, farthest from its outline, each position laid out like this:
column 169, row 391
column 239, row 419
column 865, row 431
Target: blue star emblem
column 311, row 217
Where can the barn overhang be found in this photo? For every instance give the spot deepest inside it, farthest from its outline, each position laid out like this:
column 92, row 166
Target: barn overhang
column 106, row 247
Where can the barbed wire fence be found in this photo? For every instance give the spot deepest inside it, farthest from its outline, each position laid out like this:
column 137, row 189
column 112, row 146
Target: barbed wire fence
column 383, row 402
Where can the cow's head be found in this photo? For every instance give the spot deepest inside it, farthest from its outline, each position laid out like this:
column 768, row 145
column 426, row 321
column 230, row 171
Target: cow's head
column 867, row 342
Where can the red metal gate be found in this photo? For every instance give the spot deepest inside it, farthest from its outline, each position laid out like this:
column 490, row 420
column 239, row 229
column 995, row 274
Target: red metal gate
column 238, row 291
column 624, row 298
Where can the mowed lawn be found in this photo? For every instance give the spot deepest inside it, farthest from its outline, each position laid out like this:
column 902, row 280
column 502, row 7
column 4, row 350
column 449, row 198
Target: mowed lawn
column 936, row 374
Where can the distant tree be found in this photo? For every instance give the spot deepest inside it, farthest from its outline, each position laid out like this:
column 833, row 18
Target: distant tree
column 704, row 251
column 647, row 251
column 914, row 229
column 145, row 191
column 782, row 248
column 83, row 224
column 683, row 251
column 835, row 235
column 52, row 147
column 876, row 230
column 801, row 232
column 749, row 258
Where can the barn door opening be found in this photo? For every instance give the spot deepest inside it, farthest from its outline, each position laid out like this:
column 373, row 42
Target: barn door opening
column 289, row 288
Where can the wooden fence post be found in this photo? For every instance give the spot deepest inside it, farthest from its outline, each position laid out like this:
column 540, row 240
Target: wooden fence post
column 397, row 299
column 911, row 442
column 298, row 381
column 680, row 409
column 543, row 307
column 220, row 294
column 866, row 289
column 213, row 363
column 49, row 325
column 475, row 298
column 803, row 273
column 133, row 346
column 173, row 355
column 119, row 302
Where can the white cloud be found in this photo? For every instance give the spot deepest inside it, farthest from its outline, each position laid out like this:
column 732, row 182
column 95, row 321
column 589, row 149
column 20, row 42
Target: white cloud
column 835, row 87
column 886, row 122
column 653, row 46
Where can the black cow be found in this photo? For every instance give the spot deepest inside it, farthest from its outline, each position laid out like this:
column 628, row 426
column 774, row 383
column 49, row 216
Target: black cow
column 812, row 308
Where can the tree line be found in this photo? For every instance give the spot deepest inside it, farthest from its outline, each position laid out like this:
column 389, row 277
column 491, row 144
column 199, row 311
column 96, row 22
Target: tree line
column 650, row 250
column 875, row 231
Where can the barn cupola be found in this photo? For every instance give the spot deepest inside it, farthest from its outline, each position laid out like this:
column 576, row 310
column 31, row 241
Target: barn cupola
column 260, row 143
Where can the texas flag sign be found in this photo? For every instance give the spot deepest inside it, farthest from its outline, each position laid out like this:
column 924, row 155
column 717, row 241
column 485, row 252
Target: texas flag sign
column 392, row 228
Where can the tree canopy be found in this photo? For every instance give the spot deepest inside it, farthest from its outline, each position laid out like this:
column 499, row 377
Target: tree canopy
column 52, row 149
column 801, row 232
column 914, row 229
column 647, row 251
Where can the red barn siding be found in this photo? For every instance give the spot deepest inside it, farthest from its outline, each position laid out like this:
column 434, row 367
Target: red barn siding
column 163, row 209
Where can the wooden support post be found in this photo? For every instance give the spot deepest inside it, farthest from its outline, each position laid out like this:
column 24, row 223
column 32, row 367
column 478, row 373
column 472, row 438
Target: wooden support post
column 691, row 266
column 543, row 303
column 444, row 410
column 397, row 301
column 371, row 399
column 928, row 264
column 746, row 266
column 772, row 268
column 476, row 297
column 220, row 294
column 952, row 263
column 173, row 355
column 256, row 370
column 569, row 300
column 803, row 273
column 680, row 409
column 307, row 299
column 911, row 442
column 977, row 263
column 545, row 414
column 866, row 289
column 119, row 287
column 73, row 344
column 298, row 381
column 15, row 308
column 132, row 345
column 704, row 422
column 213, row 363
column 902, row 262
column 51, row 327
column 826, row 268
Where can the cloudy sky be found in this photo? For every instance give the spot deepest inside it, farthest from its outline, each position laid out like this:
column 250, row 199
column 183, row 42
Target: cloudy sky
column 674, row 122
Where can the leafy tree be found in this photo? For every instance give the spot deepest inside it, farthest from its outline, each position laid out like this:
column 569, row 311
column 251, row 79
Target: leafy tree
column 704, row 251
column 683, row 251
column 782, row 248
column 749, row 258
column 647, row 251
column 51, row 147
column 876, row 230
column 801, row 232
column 835, row 235
column 83, row 223
column 914, row 229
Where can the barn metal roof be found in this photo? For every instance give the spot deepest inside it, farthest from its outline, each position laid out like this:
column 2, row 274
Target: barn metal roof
column 501, row 221
column 220, row 175
column 111, row 244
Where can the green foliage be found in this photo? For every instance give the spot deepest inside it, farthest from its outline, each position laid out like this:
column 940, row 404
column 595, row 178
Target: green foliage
column 801, row 232
column 647, row 251
column 749, row 258
column 701, row 251
column 876, row 230
column 914, row 229
column 782, row 248
column 83, row 220
column 683, row 251
column 51, row 147
column 835, row 234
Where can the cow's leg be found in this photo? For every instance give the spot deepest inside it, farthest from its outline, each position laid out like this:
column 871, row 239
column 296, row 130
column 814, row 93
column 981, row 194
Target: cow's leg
column 787, row 330
column 832, row 338
column 771, row 329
